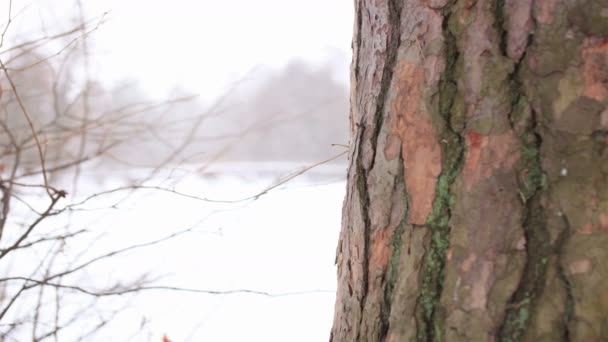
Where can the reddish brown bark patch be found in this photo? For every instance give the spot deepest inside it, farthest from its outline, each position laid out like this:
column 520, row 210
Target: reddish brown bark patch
column 586, row 229
column 481, row 285
column 604, row 118
column 600, row 227
column 519, row 26
column 604, row 300
column 419, row 141
column 467, row 264
column 486, row 154
column 604, row 222
column 580, row 266
column 475, row 139
column 380, row 250
column 545, row 11
column 595, row 68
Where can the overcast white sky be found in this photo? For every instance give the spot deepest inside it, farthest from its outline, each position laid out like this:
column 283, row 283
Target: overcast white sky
column 203, row 45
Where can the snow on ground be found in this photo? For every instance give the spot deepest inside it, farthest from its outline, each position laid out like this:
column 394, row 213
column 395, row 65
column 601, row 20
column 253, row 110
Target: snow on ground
column 282, row 242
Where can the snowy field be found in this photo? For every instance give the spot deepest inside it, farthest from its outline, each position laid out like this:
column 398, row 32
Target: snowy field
column 282, row 243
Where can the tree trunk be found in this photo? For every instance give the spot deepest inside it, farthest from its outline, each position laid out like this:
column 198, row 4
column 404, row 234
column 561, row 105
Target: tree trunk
column 477, row 200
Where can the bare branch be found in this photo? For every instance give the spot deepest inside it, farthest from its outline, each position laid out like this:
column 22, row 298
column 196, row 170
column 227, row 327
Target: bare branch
column 48, row 239
column 48, row 212
column 128, row 290
column 60, row 51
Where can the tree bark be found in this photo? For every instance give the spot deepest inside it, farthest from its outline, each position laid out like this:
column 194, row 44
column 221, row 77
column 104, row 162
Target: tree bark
column 477, row 199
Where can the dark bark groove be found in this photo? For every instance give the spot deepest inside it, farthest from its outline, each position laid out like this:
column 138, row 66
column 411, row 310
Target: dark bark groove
column 429, row 320
column 538, row 249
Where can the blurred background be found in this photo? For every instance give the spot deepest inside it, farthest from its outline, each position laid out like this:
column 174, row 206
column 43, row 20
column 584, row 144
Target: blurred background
column 171, row 171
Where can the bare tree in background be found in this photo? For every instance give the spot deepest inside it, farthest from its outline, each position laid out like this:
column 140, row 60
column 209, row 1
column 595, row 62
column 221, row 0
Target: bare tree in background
column 58, row 123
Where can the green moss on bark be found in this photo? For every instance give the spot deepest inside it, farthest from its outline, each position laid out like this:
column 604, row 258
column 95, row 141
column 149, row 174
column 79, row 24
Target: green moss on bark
column 429, row 313
column 397, row 250
column 538, row 246
column 531, row 185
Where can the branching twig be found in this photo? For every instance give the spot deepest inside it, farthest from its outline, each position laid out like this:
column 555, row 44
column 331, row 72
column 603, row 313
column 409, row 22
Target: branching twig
column 8, row 23
column 48, row 239
column 48, row 212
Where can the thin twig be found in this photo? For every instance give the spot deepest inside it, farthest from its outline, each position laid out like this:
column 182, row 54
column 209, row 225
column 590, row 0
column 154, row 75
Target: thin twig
column 204, row 199
column 8, row 23
column 120, row 292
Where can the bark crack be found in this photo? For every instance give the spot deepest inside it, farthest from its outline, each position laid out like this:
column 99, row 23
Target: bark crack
column 561, row 242
column 392, row 47
column 359, row 22
column 364, row 202
column 534, row 223
column 429, row 319
column 499, row 23
column 397, row 250
column 393, row 42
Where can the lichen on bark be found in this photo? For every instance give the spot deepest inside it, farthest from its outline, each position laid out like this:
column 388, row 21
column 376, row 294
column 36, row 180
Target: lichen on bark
column 429, row 315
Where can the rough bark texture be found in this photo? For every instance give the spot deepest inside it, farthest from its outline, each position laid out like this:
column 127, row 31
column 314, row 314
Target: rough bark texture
column 477, row 200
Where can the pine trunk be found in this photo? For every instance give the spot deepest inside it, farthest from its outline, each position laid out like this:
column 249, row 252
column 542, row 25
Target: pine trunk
column 477, row 200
